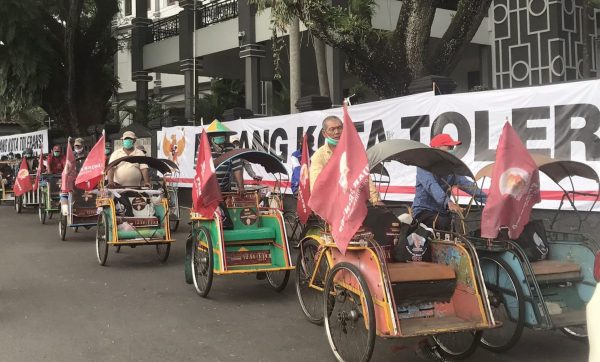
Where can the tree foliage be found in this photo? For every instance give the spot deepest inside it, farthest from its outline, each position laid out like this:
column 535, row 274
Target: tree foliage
column 387, row 61
column 58, row 55
column 224, row 94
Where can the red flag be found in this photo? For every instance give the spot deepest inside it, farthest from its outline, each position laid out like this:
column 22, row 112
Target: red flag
column 93, row 167
column 23, row 181
column 514, row 190
column 341, row 191
column 302, row 208
column 206, row 193
column 69, row 172
column 38, row 174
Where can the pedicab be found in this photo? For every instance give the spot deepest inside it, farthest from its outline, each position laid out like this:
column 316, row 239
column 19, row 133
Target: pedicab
column 257, row 243
column 6, row 185
column 29, row 200
column 174, row 211
column 134, row 216
column 544, row 285
column 49, row 196
column 78, row 209
column 367, row 292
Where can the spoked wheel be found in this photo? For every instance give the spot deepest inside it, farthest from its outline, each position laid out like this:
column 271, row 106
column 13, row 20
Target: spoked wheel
column 293, row 227
column 578, row 333
column 174, row 224
column 459, row 345
column 18, row 204
column 278, row 279
column 349, row 314
column 162, row 251
column 507, row 302
column 62, row 227
column 311, row 297
column 202, row 262
column 42, row 212
column 102, row 239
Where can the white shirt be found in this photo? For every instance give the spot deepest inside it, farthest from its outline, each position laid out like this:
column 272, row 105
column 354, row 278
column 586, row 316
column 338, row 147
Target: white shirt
column 127, row 173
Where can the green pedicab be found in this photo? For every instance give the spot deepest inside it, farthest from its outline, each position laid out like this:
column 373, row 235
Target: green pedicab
column 49, row 196
column 257, row 243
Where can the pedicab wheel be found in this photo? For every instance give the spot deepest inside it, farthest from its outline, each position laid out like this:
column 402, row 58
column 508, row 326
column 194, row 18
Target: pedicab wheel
column 349, row 314
column 278, row 279
column 293, row 227
column 507, row 302
column 101, row 240
column 18, row 204
column 162, row 251
column 42, row 212
column 202, row 262
column 311, row 298
column 578, row 333
column 459, row 345
column 174, row 225
column 62, row 227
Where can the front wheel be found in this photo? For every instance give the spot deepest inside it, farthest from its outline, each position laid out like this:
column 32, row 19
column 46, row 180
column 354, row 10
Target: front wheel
column 278, row 279
column 102, row 240
column 507, row 302
column 310, row 295
column 42, row 212
column 202, row 262
column 162, row 251
column 62, row 227
column 293, row 227
column 349, row 314
column 459, row 345
column 18, row 204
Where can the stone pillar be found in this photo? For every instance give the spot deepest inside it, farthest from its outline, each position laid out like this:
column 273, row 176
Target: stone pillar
column 250, row 52
column 335, row 72
column 140, row 36
column 188, row 65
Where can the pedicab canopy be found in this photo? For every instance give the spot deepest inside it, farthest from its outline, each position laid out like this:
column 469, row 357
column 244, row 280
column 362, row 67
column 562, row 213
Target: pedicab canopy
column 557, row 170
column 414, row 153
column 161, row 165
column 271, row 163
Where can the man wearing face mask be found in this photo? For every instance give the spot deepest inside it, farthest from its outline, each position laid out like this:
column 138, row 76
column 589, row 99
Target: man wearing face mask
column 79, row 150
column 128, row 174
column 56, row 161
column 332, row 131
column 230, row 171
column 432, row 204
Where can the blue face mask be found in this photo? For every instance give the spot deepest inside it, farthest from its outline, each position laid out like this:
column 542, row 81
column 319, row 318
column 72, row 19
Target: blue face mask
column 128, row 144
column 219, row 140
column 331, row 141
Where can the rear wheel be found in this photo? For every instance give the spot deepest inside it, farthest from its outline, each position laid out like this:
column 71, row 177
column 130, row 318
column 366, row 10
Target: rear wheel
column 507, row 302
column 62, row 227
column 578, row 333
column 459, row 345
column 278, row 279
column 162, row 251
column 349, row 314
column 18, row 204
column 42, row 211
column 293, row 227
column 102, row 239
column 202, row 261
column 311, row 296
column 174, row 224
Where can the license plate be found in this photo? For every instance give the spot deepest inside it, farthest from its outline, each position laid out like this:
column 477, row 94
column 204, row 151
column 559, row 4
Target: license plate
column 139, row 221
column 248, row 257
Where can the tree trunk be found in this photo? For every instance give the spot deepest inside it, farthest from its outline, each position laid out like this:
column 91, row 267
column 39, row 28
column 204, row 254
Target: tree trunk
column 418, row 27
column 586, row 72
column 71, row 34
column 321, row 67
column 295, row 74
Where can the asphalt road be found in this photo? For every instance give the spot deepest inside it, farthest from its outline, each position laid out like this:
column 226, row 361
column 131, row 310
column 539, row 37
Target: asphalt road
column 58, row 304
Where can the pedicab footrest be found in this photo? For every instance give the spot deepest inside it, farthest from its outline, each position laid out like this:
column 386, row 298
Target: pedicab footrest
column 556, row 271
column 142, row 233
column 421, row 282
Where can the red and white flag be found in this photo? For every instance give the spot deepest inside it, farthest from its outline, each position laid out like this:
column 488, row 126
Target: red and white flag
column 341, row 192
column 302, row 208
column 514, row 190
column 23, row 181
column 206, row 193
column 93, row 167
column 69, row 172
column 38, row 174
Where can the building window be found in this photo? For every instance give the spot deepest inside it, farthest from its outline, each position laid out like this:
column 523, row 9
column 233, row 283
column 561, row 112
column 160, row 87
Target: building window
column 473, row 79
column 128, row 7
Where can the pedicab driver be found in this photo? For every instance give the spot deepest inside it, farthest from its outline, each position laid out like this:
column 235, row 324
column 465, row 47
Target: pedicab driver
column 332, row 128
column 127, row 173
column 57, row 162
column 432, row 204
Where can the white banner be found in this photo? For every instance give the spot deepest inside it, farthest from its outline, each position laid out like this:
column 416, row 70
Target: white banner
column 18, row 142
column 562, row 121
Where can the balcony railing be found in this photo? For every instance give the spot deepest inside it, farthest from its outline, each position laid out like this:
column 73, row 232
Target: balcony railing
column 165, row 28
column 208, row 14
column 215, row 12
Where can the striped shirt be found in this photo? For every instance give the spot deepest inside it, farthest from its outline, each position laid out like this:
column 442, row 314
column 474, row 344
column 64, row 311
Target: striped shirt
column 226, row 169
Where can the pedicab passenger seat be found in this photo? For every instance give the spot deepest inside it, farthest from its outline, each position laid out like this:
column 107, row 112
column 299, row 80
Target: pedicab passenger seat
column 421, row 282
column 419, row 271
column 246, row 226
column 556, row 271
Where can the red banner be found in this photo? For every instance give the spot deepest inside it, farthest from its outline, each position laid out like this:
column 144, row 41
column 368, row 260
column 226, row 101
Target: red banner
column 23, row 181
column 206, row 193
column 302, row 208
column 69, row 172
column 93, row 167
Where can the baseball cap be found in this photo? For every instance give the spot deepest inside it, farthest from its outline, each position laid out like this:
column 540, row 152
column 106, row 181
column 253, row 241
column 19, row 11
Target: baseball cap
column 129, row 134
column 443, row 139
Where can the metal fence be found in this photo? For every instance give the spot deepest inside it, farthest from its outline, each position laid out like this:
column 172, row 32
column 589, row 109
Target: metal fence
column 165, row 28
